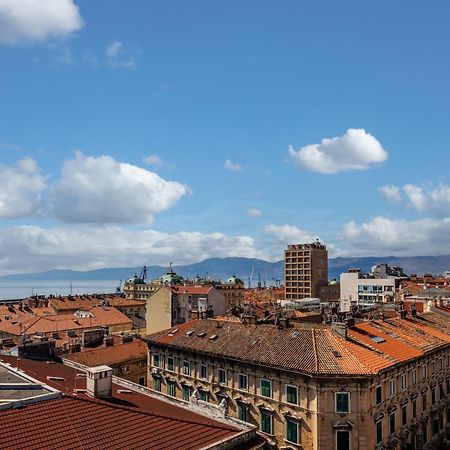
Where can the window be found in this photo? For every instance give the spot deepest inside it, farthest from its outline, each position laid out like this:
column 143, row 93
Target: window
column 266, row 422
column 202, row 372
column 342, row 402
column 424, row 372
column 414, row 376
column 242, row 411
column 156, row 360
column 141, row 381
column 186, row 392
column 186, row 368
column 391, row 388
column 433, row 396
column 203, row 395
column 404, row 415
column 243, row 382
column 171, row 388
column 440, row 364
column 433, row 367
column 142, row 364
column 342, row 440
column 414, row 408
column 266, row 388
column 392, row 422
column 441, row 391
column 424, row 402
column 403, row 383
column 157, row 384
column 292, row 394
column 170, row 363
column 379, row 431
column 292, row 431
column 222, row 376
column 378, row 395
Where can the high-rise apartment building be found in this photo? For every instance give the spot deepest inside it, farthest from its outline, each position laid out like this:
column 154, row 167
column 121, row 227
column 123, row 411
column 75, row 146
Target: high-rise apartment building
column 305, row 269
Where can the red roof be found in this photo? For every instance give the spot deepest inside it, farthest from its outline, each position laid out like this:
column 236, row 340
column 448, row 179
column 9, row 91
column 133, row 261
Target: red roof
column 129, row 419
column 78, row 423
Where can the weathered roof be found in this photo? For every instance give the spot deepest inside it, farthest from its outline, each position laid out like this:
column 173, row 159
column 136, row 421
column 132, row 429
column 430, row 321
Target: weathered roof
column 313, row 349
column 112, row 355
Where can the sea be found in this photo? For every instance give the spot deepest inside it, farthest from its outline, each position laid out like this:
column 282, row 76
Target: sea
column 11, row 290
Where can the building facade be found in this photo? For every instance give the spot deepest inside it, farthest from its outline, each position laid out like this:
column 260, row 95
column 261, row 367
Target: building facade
column 316, row 387
column 305, row 270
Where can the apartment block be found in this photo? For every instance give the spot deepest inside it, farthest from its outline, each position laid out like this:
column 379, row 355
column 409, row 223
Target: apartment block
column 305, row 270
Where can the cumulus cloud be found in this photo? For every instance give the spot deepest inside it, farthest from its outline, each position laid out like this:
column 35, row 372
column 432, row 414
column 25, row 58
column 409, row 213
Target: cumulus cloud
column 85, row 247
column 421, row 198
column 392, row 193
column 383, row 236
column 234, row 167
column 116, row 57
column 21, row 188
column 289, row 234
column 103, row 190
column 37, row 20
column 355, row 150
column 254, row 212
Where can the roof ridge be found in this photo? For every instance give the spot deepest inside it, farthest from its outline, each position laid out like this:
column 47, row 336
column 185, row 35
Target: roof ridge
column 316, row 357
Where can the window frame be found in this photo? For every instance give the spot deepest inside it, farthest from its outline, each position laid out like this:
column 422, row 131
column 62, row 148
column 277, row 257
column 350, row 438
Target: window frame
column 244, row 376
column 186, row 364
column 171, row 388
column 265, row 413
column 269, row 387
column 392, row 388
column 379, row 389
column 202, row 368
column 173, row 364
column 346, row 394
column 158, row 356
column 403, row 382
column 296, row 394
column 242, row 407
column 379, row 431
column 297, row 429
column 224, row 371
column 392, row 422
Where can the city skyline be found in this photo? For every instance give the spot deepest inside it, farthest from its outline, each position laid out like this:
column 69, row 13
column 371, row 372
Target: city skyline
column 158, row 132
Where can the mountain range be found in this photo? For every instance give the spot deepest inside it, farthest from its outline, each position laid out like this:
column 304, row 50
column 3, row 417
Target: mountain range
column 222, row 268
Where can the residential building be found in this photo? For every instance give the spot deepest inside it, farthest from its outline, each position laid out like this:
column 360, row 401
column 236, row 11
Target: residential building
column 316, row 386
column 366, row 289
column 233, row 291
column 46, row 406
column 127, row 358
column 172, row 305
column 305, row 270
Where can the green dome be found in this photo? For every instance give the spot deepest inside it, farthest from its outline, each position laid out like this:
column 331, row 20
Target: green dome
column 234, row 280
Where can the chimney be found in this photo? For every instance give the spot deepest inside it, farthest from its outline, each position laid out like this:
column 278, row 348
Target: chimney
column 340, row 329
column 99, row 381
column 108, row 341
column 413, row 310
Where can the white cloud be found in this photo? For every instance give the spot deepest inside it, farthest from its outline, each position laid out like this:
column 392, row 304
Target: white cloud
column 254, row 212
column 234, row 167
column 154, row 160
column 392, row 193
column 355, row 150
column 289, row 234
column 37, row 20
column 85, row 247
column 116, row 57
column 21, row 188
column 102, row 190
column 422, row 198
column 383, row 237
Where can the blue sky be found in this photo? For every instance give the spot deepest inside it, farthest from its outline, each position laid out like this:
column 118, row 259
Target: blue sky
column 99, row 96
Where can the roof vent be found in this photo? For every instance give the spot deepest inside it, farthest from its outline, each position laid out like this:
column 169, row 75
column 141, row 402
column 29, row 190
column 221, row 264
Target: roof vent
column 201, row 334
column 213, row 336
column 189, row 333
column 295, row 334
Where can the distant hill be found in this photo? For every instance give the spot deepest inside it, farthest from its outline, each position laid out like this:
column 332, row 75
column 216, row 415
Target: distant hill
column 223, row 268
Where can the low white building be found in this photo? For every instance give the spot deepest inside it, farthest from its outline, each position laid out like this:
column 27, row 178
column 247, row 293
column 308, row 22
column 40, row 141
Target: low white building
column 364, row 289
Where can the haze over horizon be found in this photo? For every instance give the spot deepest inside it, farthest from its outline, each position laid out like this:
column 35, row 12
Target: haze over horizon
column 152, row 131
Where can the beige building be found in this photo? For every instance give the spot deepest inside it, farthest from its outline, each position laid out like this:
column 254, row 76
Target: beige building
column 364, row 386
column 170, row 306
column 233, row 290
column 305, row 270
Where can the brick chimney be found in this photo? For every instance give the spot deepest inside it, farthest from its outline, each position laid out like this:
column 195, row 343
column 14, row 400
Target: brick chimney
column 99, row 381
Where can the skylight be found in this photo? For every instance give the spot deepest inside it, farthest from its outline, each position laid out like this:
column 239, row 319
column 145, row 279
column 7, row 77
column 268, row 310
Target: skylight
column 377, row 339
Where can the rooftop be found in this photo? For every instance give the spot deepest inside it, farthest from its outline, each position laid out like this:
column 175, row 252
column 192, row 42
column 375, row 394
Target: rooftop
column 313, row 349
column 130, row 419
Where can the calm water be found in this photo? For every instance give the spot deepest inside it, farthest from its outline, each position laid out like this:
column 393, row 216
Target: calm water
column 21, row 289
